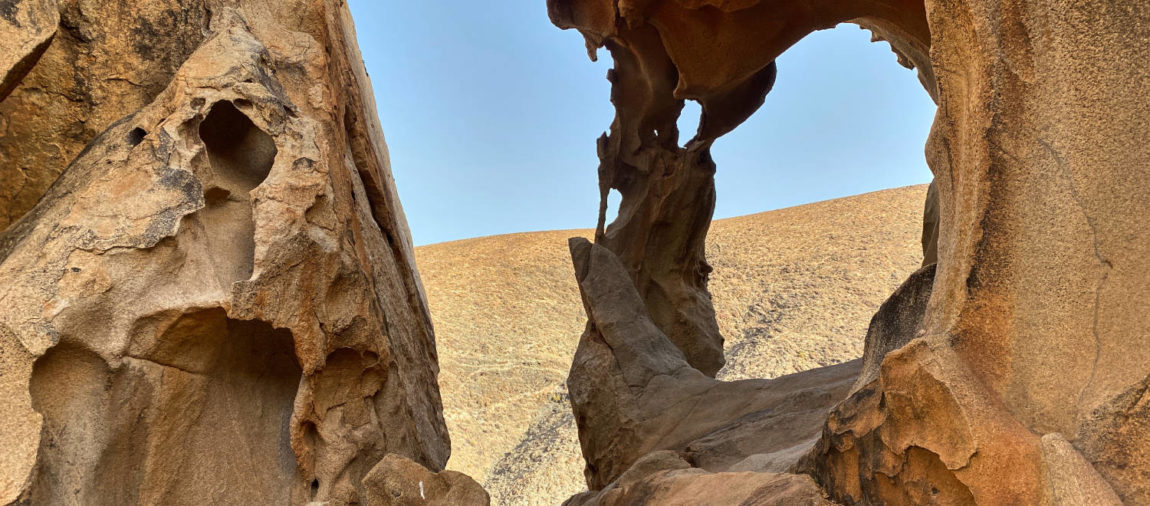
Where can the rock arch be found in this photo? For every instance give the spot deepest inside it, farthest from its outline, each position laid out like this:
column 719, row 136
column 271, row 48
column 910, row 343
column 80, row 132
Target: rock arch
column 1029, row 352
column 666, row 53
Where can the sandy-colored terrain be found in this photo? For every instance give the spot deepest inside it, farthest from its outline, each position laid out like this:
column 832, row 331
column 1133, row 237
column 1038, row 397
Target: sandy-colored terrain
column 793, row 289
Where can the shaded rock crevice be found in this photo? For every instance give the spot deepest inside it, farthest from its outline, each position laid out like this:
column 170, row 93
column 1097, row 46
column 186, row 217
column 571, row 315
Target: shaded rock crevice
column 220, row 390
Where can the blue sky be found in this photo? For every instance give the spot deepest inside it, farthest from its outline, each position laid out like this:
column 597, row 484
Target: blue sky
column 491, row 115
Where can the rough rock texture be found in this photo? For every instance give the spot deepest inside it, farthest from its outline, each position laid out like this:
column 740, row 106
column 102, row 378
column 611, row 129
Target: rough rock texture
column 1034, row 332
column 1031, row 331
column 897, row 322
column 633, row 392
column 664, row 52
column 399, row 481
column 663, row 477
column 217, row 301
column 26, row 29
column 794, row 289
column 106, row 59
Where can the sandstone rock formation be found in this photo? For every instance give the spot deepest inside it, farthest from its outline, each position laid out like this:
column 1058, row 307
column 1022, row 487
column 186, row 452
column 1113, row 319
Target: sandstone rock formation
column 399, row 481
column 94, row 63
column 634, row 393
column 793, row 290
column 217, row 301
column 1026, row 381
column 26, row 29
column 663, row 477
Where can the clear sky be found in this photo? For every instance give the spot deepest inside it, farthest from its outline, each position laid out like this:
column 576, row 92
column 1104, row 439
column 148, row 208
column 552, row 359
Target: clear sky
column 491, row 115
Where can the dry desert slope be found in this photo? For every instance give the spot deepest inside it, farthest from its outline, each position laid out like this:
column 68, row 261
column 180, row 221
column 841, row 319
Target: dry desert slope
column 793, row 289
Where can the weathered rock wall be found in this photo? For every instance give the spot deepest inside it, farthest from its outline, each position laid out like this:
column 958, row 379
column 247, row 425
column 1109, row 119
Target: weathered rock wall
column 664, row 53
column 1033, row 343
column 217, row 299
column 1042, row 172
column 1025, row 379
column 634, row 393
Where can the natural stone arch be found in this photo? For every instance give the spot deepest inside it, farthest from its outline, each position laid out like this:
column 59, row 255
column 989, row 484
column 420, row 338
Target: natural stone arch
column 1032, row 355
column 664, row 54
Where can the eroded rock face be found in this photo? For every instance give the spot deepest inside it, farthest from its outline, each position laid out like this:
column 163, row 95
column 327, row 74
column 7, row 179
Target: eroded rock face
column 663, row 477
column 399, row 481
column 217, row 300
column 664, row 52
column 26, row 29
column 897, row 322
column 633, row 392
column 1029, row 359
column 102, row 60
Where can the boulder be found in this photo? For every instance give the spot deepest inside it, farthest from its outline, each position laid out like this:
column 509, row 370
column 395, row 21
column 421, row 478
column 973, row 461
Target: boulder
column 217, row 301
column 665, row 478
column 633, row 392
column 399, row 481
column 1033, row 332
column 26, row 29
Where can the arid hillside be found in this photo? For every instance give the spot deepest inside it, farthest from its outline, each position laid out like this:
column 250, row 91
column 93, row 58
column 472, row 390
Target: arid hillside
column 793, row 289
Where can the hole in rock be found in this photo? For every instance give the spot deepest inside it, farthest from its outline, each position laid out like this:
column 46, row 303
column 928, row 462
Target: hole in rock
column 843, row 119
column 200, row 414
column 136, row 136
column 689, row 121
column 241, row 156
column 215, row 196
column 240, row 153
column 614, row 198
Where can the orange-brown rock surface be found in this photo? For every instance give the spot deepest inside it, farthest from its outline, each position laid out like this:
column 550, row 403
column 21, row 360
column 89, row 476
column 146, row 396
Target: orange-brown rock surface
column 664, row 477
column 216, row 302
column 794, row 289
column 1024, row 378
column 633, row 392
column 398, row 481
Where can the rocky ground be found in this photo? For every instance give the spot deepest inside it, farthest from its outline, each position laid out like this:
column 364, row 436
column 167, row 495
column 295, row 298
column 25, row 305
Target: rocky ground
column 794, row 289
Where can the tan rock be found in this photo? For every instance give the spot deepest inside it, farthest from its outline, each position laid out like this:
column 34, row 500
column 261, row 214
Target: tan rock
column 896, row 323
column 1034, row 323
column 217, row 301
column 665, row 478
column 399, row 481
column 633, row 392
column 793, row 290
column 107, row 59
column 26, row 29
column 1072, row 479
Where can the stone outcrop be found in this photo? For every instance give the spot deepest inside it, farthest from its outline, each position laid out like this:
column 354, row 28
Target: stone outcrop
column 793, row 290
column 216, row 302
column 664, row 52
column 663, row 477
column 26, row 29
column 1025, row 380
column 896, row 323
column 95, row 62
column 398, row 481
column 634, row 393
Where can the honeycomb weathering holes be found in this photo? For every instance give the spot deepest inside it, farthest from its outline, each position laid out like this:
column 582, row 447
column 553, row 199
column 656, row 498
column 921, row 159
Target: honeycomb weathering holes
column 241, row 154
